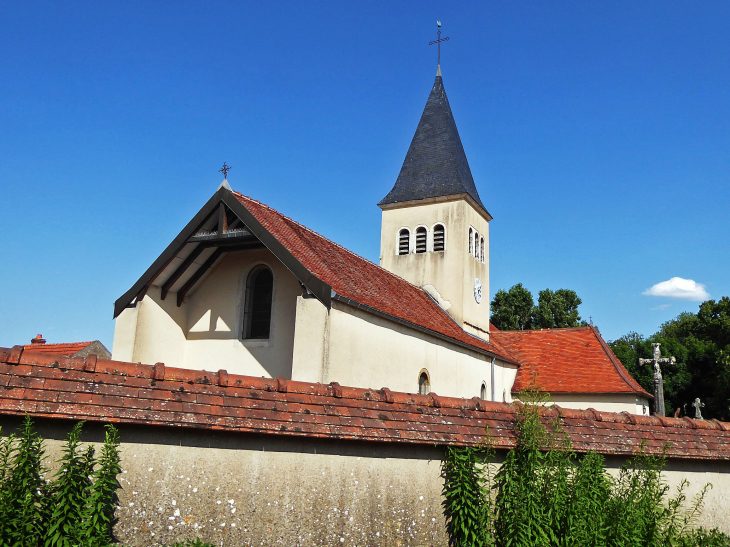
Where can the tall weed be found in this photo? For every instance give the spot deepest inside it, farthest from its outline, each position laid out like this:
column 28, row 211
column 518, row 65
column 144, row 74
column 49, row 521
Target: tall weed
column 74, row 509
column 546, row 495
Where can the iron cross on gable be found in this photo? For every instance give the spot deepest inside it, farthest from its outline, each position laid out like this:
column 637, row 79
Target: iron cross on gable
column 658, row 380
column 224, row 170
column 438, row 41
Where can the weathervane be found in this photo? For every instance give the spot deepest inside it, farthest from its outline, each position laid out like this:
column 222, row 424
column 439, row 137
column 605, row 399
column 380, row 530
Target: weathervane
column 658, row 380
column 224, row 170
column 438, row 41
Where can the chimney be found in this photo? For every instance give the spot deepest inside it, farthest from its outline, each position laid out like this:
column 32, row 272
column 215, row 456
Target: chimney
column 38, row 340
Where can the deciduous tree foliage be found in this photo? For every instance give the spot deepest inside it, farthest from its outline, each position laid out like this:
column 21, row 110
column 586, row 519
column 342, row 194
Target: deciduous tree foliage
column 516, row 310
column 701, row 344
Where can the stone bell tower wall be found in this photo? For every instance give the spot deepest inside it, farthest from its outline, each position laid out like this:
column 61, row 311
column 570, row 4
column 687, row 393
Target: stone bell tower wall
column 448, row 275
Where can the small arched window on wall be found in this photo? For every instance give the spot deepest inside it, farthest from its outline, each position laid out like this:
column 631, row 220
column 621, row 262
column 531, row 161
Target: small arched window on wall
column 257, row 310
column 404, row 242
column 483, row 392
column 476, row 245
column 424, row 384
column 439, row 239
column 481, row 249
column 421, row 238
column 471, row 241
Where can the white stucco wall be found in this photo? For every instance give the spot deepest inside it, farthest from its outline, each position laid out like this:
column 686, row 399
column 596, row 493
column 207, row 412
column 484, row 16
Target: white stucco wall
column 604, row 402
column 356, row 348
column 609, row 402
column 204, row 333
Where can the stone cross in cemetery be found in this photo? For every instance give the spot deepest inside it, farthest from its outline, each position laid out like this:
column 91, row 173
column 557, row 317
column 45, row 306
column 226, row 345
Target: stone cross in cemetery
column 698, row 405
column 658, row 380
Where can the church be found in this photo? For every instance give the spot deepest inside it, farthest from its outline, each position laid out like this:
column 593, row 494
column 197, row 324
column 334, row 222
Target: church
column 247, row 289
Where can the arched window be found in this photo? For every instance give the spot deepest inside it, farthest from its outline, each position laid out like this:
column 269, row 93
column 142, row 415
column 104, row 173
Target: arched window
column 424, row 384
column 421, row 238
column 404, row 242
column 257, row 311
column 471, row 241
column 481, row 249
column 439, row 240
column 476, row 244
column 483, row 392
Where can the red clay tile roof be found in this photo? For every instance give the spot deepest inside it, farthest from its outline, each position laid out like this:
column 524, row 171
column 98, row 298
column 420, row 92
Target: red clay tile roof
column 69, row 348
column 358, row 279
column 110, row 391
column 566, row 361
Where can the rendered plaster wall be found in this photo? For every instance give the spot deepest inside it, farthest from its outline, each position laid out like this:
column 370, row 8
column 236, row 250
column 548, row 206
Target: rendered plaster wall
column 451, row 272
column 608, row 402
column 204, row 333
column 215, row 319
column 151, row 332
column 356, row 348
column 238, row 489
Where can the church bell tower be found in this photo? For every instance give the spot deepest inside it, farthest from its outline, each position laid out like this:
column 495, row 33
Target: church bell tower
column 435, row 228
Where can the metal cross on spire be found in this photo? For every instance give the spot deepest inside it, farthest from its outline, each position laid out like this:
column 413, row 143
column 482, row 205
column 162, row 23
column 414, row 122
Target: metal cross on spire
column 438, row 41
column 658, row 380
column 224, row 170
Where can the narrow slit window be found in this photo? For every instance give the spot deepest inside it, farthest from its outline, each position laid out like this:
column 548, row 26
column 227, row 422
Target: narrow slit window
column 438, row 238
column 481, row 250
column 421, row 238
column 424, row 384
column 404, row 242
column 471, row 241
column 483, row 392
column 476, row 245
column 257, row 312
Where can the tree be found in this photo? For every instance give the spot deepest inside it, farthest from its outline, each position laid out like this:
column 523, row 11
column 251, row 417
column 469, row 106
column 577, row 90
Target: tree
column 512, row 310
column 701, row 344
column 515, row 309
column 557, row 309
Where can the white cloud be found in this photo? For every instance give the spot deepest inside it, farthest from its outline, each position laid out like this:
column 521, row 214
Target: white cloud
column 679, row 289
column 662, row 307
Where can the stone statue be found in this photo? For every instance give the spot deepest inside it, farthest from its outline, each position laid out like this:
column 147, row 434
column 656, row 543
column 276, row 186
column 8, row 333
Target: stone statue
column 698, row 405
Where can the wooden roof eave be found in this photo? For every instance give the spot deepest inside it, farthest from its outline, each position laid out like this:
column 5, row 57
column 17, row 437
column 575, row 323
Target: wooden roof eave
column 317, row 287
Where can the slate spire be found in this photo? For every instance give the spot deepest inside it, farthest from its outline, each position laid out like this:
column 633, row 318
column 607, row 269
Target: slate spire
column 435, row 164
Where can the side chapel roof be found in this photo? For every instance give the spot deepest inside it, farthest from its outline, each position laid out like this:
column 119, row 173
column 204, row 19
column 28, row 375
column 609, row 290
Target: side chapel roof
column 436, row 163
column 575, row 360
column 99, row 390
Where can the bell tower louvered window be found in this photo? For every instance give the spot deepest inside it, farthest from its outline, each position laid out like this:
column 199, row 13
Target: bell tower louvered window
column 481, row 250
column 404, row 242
column 471, row 241
column 421, row 238
column 439, row 243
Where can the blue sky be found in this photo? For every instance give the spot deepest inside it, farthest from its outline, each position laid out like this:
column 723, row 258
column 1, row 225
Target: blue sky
column 597, row 132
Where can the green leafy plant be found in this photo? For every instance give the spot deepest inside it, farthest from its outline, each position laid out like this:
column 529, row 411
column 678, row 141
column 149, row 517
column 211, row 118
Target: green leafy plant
column 546, row 495
column 76, row 508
